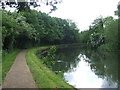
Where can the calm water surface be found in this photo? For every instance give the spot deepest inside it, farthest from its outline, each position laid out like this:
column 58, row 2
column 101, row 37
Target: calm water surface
column 86, row 68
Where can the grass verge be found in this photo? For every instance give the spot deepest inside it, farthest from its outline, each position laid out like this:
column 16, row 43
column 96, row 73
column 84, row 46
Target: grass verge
column 42, row 75
column 7, row 62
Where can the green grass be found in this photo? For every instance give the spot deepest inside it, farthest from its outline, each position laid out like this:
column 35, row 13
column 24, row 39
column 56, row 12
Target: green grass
column 42, row 75
column 7, row 62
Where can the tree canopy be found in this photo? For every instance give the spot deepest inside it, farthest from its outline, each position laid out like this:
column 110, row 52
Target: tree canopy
column 24, row 29
column 19, row 29
column 24, row 5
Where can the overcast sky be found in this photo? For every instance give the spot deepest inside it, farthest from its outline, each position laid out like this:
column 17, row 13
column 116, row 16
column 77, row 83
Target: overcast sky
column 83, row 12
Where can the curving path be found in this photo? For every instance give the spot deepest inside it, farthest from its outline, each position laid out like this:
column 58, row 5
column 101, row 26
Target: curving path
column 19, row 75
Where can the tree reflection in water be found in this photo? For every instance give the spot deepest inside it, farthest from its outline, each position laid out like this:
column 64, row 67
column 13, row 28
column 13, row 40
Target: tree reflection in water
column 103, row 64
column 88, row 68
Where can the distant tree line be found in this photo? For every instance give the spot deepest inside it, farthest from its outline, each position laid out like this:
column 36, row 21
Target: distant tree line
column 23, row 29
column 27, row 29
column 103, row 33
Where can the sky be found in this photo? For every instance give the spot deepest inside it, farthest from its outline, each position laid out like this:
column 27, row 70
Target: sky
column 84, row 12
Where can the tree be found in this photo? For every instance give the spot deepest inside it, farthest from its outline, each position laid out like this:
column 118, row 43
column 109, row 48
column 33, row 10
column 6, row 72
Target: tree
column 21, row 30
column 24, row 5
column 119, row 26
column 14, row 26
column 118, row 11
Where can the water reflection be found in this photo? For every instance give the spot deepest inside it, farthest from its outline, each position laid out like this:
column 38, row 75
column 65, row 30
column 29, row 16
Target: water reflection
column 87, row 69
column 83, row 77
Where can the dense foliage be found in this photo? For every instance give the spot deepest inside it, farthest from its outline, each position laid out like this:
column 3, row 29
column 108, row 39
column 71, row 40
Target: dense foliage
column 102, row 34
column 47, row 56
column 26, row 29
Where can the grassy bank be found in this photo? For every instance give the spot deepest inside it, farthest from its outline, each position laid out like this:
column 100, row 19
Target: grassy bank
column 7, row 62
column 43, row 76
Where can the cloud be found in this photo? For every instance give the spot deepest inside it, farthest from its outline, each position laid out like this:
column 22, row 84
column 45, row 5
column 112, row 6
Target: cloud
column 83, row 12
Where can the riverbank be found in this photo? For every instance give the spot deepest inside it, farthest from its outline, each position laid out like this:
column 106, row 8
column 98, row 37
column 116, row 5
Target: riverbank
column 43, row 76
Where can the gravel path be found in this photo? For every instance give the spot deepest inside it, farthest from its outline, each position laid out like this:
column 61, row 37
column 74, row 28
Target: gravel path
column 19, row 75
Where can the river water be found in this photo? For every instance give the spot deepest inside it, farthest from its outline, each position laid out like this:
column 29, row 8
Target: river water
column 87, row 68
